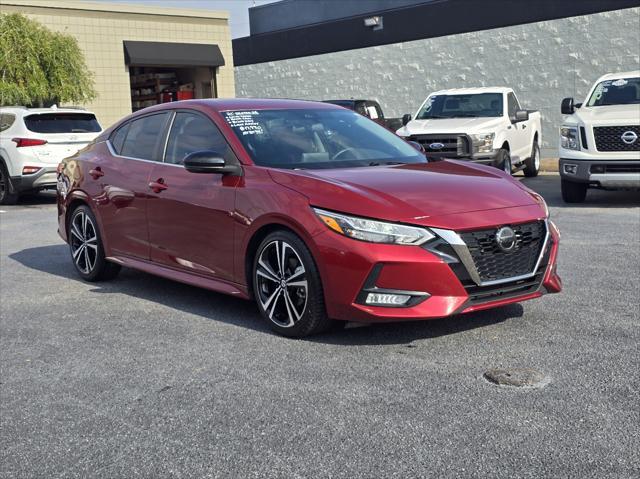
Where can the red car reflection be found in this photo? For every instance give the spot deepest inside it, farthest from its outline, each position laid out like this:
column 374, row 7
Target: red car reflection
column 314, row 211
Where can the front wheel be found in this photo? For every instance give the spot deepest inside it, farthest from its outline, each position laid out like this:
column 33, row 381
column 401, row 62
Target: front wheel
column 532, row 164
column 503, row 160
column 86, row 247
column 573, row 192
column 287, row 286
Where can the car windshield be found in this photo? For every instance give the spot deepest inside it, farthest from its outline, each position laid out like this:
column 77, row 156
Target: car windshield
column 313, row 139
column 62, row 123
column 623, row 91
column 461, row 106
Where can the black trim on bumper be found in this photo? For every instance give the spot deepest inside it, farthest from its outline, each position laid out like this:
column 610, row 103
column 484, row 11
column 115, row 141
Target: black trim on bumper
column 46, row 178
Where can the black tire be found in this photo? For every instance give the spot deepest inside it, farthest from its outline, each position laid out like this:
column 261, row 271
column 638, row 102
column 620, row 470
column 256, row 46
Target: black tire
column 573, row 192
column 532, row 164
column 503, row 161
column 89, row 260
column 7, row 196
column 309, row 315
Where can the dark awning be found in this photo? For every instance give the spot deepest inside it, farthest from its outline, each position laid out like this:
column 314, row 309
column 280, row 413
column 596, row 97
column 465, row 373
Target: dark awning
column 161, row 54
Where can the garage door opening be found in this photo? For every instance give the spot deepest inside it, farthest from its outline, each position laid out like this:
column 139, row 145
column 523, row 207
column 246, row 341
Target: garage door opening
column 163, row 72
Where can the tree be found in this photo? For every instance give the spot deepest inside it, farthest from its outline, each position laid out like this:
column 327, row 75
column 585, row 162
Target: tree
column 39, row 66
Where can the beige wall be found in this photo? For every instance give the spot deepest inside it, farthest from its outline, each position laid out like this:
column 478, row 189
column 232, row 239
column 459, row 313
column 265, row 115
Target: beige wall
column 101, row 29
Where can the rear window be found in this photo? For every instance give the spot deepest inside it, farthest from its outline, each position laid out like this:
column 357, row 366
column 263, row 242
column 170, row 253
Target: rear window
column 62, row 123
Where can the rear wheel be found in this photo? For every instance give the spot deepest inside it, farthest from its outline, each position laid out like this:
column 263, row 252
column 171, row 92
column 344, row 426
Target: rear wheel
column 573, row 192
column 7, row 197
column 287, row 286
column 532, row 164
column 86, row 247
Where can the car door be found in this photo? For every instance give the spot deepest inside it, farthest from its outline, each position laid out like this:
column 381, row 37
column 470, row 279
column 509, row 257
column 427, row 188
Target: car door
column 520, row 137
column 190, row 215
column 122, row 174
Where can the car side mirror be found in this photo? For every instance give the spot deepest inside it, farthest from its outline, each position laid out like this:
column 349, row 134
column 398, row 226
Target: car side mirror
column 207, row 161
column 521, row 115
column 577, row 105
column 406, row 118
column 567, row 107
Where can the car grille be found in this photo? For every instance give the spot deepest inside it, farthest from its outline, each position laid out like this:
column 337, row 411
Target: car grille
column 609, row 138
column 494, row 264
column 454, row 146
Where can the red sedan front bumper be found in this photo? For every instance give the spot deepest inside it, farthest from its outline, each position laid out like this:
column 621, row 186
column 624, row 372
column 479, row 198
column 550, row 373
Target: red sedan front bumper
column 349, row 268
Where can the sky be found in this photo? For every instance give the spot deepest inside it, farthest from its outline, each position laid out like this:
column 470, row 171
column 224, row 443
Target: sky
column 238, row 9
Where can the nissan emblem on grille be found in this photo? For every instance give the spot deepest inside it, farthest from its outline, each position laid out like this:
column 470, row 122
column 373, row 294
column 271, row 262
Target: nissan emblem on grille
column 506, row 239
column 629, row 137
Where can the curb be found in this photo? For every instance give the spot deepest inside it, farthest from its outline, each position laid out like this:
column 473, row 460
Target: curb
column 549, row 165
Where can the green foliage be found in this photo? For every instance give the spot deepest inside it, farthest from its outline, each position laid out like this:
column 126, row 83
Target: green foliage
column 39, row 66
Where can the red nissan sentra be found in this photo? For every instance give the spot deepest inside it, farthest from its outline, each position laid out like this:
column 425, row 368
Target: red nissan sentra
column 317, row 212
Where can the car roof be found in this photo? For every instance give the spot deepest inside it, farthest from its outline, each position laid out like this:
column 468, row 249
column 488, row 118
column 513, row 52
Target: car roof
column 472, row 91
column 231, row 104
column 614, row 76
column 21, row 110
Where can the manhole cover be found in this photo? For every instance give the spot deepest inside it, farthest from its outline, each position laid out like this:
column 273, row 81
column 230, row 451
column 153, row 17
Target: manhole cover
column 521, row 378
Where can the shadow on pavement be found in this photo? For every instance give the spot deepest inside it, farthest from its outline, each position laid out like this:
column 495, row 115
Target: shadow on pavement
column 54, row 259
column 549, row 187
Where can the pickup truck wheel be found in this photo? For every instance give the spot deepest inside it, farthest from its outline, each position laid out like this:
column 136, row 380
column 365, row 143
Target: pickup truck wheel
column 503, row 161
column 7, row 197
column 532, row 164
column 573, row 192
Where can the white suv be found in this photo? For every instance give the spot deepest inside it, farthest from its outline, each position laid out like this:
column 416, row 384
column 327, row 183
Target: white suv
column 32, row 143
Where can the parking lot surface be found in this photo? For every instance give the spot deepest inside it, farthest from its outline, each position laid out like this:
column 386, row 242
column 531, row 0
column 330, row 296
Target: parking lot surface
column 144, row 377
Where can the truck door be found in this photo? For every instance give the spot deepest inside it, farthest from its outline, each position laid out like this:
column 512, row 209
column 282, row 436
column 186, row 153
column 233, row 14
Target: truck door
column 520, row 146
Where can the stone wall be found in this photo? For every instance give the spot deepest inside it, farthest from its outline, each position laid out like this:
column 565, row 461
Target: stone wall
column 544, row 62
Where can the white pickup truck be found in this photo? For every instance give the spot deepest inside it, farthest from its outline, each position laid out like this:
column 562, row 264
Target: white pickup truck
column 600, row 139
column 484, row 125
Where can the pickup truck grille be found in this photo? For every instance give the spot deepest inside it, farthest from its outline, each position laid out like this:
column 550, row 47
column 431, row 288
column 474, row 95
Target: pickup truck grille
column 609, row 138
column 494, row 264
column 453, row 146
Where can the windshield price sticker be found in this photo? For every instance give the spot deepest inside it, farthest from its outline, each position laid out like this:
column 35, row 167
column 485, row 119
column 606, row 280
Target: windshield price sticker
column 244, row 121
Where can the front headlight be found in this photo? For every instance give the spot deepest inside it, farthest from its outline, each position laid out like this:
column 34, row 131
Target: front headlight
column 483, row 143
column 374, row 231
column 569, row 138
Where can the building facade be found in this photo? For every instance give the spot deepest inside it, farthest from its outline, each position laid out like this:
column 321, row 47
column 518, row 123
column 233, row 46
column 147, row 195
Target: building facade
column 142, row 55
column 545, row 50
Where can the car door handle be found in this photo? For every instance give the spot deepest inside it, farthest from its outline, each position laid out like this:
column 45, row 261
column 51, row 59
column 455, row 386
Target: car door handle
column 96, row 172
column 158, row 185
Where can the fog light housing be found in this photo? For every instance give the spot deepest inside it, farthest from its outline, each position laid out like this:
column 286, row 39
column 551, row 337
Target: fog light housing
column 387, row 299
column 570, row 168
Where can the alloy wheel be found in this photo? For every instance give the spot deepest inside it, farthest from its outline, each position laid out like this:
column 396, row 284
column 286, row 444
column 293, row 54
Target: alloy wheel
column 3, row 185
column 84, row 242
column 506, row 164
column 282, row 285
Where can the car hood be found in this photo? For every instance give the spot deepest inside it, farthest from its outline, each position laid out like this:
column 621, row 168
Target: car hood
column 609, row 115
column 411, row 193
column 450, row 125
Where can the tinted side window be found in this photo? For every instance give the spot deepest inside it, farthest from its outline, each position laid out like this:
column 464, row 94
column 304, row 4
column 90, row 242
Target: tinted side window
column 6, row 120
column 512, row 104
column 191, row 132
column 144, row 136
column 118, row 137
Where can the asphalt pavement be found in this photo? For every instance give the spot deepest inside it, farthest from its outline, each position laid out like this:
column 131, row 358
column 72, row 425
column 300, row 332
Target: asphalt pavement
column 145, row 377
